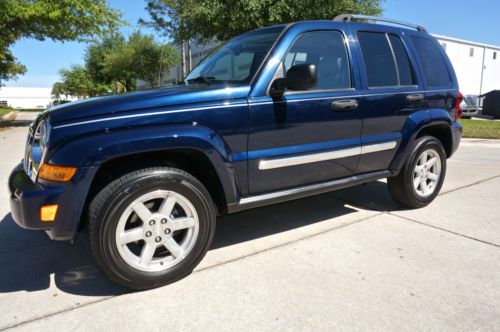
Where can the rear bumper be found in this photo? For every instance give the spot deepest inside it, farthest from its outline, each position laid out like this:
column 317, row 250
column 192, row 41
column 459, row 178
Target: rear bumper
column 27, row 197
column 456, row 136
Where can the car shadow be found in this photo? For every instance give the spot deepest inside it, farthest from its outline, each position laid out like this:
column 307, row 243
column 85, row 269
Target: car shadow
column 16, row 123
column 29, row 261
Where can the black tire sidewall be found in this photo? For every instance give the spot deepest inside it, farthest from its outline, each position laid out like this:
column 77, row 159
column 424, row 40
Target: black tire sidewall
column 424, row 143
column 125, row 194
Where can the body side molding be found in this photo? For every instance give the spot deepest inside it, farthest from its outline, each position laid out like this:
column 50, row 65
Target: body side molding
column 294, row 193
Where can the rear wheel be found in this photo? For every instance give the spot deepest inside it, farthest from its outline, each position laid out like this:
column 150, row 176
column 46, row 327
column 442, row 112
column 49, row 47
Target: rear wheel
column 151, row 227
column 422, row 176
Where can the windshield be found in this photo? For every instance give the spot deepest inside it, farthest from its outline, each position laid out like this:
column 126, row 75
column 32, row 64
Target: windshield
column 237, row 61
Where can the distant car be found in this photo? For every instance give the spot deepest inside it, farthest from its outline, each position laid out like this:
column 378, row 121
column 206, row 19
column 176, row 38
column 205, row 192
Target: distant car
column 275, row 114
column 470, row 106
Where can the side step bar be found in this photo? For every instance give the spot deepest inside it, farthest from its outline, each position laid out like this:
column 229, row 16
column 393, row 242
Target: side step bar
column 251, row 202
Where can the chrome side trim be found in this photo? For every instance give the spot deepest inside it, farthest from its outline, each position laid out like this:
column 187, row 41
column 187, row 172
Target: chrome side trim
column 324, row 156
column 313, row 188
column 378, row 147
column 307, row 159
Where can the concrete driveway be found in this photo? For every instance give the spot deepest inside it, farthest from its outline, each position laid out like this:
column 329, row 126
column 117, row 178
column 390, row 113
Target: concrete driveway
column 348, row 260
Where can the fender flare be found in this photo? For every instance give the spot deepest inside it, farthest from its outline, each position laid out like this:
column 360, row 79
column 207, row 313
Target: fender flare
column 97, row 148
column 415, row 123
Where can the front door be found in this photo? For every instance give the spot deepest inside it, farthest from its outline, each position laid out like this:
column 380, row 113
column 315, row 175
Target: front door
column 307, row 136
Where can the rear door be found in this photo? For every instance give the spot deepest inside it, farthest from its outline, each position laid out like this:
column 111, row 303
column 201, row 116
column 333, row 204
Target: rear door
column 302, row 138
column 392, row 92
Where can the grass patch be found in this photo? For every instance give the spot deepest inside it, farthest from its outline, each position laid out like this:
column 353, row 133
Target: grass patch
column 480, row 128
column 4, row 111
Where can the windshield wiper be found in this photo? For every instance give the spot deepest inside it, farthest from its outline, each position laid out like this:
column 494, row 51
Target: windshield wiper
column 202, row 79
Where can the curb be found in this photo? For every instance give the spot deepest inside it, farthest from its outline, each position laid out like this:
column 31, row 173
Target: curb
column 9, row 117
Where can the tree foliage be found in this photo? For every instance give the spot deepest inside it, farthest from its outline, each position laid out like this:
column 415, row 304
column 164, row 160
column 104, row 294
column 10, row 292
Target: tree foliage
column 140, row 57
column 115, row 64
column 224, row 19
column 78, row 82
column 59, row 20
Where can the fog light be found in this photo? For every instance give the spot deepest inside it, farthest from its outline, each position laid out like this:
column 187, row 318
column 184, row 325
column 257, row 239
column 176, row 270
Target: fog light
column 48, row 213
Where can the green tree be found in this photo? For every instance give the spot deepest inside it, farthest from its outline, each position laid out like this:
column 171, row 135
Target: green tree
column 140, row 57
column 97, row 52
column 59, row 20
column 59, row 91
column 224, row 19
column 77, row 82
column 167, row 17
column 115, row 64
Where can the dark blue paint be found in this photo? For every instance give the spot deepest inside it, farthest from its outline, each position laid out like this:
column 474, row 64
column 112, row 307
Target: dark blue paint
column 235, row 127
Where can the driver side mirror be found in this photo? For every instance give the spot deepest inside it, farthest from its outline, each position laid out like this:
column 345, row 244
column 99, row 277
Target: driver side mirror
column 298, row 78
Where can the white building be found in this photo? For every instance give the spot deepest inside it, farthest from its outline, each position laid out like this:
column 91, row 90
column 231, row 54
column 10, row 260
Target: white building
column 477, row 65
column 21, row 97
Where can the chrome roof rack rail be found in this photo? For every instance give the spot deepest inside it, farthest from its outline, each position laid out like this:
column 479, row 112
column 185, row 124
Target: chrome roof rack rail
column 352, row 17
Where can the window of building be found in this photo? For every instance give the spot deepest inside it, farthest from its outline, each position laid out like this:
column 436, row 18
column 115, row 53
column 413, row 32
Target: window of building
column 471, row 52
column 435, row 69
column 386, row 60
column 494, row 55
column 3, row 103
column 326, row 50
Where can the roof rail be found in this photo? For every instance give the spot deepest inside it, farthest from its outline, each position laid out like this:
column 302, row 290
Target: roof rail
column 352, row 17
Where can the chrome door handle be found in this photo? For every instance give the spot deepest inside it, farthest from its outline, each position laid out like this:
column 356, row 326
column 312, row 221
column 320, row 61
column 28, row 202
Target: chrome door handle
column 345, row 105
column 415, row 98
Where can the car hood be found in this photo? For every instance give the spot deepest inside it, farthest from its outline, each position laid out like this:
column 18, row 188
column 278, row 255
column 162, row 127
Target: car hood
column 147, row 99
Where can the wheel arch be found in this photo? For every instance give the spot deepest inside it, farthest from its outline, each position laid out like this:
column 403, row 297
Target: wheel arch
column 433, row 122
column 197, row 150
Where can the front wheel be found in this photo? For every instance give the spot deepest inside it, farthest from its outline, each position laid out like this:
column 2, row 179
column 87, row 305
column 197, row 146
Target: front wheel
column 151, row 227
column 422, row 176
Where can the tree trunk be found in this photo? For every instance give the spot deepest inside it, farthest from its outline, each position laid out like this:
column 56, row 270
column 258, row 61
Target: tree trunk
column 190, row 57
column 183, row 60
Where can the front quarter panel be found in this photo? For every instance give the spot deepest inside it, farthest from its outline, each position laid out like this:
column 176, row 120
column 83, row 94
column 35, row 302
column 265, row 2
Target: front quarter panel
column 97, row 148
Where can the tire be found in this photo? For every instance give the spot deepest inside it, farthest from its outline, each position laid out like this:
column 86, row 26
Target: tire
column 416, row 188
column 151, row 227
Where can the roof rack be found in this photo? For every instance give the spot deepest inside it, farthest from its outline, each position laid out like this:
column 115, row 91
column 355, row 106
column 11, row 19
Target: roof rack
column 352, row 17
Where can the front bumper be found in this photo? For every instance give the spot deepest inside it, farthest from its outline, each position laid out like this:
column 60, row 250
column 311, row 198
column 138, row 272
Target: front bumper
column 27, row 197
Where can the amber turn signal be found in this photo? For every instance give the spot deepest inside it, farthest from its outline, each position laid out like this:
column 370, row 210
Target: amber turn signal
column 56, row 173
column 48, row 213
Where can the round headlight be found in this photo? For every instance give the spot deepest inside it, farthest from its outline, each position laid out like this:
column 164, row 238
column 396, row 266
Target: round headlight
column 41, row 135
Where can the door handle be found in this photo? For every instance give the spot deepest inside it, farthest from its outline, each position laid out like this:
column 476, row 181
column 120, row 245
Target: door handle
column 415, row 98
column 345, row 105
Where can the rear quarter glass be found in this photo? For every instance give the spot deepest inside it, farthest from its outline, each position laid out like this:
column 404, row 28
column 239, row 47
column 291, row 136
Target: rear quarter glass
column 434, row 66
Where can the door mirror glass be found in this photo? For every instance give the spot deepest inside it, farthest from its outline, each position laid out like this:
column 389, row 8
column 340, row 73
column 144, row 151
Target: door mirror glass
column 298, row 78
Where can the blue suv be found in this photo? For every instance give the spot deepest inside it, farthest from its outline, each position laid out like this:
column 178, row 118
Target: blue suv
column 273, row 115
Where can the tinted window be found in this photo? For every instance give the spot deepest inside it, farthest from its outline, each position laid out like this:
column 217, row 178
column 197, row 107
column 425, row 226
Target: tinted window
column 402, row 61
column 435, row 68
column 238, row 60
column 326, row 50
column 379, row 62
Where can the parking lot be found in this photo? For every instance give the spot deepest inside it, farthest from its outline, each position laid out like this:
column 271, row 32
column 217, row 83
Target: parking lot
column 347, row 260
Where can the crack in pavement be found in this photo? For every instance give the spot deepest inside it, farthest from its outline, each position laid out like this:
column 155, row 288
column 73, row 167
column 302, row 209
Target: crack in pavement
column 423, row 223
column 445, row 230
